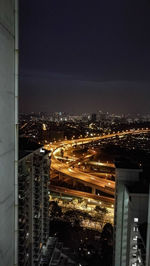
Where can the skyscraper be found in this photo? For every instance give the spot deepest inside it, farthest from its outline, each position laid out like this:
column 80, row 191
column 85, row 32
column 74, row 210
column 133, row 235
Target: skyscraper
column 132, row 217
column 33, row 194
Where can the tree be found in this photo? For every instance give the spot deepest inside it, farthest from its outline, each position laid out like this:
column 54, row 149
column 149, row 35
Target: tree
column 107, row 244
column 55, row 210
column 100, row 215
column 107, row 232
column 101, row 209
column 76, row 216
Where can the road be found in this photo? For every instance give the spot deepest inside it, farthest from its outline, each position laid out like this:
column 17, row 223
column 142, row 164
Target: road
column 89, row 179
column 76, row 193
column 93, row 139
column 107, row 164
column 97, row 182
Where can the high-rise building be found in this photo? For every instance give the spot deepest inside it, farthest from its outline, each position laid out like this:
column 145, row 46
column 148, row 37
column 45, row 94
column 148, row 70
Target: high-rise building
column 93, row 118
column 8, row 131
column 33, row 194
column 132, row 217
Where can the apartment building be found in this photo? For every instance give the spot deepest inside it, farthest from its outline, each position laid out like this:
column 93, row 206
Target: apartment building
column 33, row 205
column 132, row 217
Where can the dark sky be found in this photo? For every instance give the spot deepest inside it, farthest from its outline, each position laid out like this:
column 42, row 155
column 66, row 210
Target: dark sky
column 83, row 56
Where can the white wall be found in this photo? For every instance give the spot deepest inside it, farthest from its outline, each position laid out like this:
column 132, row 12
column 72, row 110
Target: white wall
column 7, row 133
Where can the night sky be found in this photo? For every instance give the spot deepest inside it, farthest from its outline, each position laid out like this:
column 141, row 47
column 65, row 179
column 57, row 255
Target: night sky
column 83, row 56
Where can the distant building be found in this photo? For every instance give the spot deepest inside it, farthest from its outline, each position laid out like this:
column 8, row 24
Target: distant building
column 102, row 117
column 33, row 204
column 132, row 218
column 93, row 118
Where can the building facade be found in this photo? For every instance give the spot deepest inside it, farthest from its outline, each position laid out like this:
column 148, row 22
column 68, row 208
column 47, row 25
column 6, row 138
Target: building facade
column 33, row 195
column 131, row 234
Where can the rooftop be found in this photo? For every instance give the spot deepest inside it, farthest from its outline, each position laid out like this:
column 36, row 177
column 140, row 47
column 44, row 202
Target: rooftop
column 126, row 163
column 26, row 147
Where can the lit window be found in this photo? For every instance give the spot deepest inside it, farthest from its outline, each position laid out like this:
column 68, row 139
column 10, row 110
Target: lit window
column 135, row 238
column 136, row 220
column 42, row 151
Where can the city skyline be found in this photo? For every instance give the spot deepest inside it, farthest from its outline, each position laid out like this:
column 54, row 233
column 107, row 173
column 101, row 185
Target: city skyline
column 82, row 57
column 83, row 114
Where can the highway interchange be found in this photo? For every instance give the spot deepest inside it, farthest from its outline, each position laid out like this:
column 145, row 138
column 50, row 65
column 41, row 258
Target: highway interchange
column 68, row 165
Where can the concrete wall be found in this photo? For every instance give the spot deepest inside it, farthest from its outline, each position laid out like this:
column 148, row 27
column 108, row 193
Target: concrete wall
column 148, row 234
column 121, row 222
column 8, row 116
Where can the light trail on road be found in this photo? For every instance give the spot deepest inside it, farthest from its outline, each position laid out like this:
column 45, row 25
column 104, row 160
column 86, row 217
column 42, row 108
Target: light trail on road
column 82, row 194
column 89, row 179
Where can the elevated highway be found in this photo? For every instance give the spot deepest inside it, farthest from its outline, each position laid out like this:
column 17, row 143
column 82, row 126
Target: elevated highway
column 67, row 191
column 66, row 167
